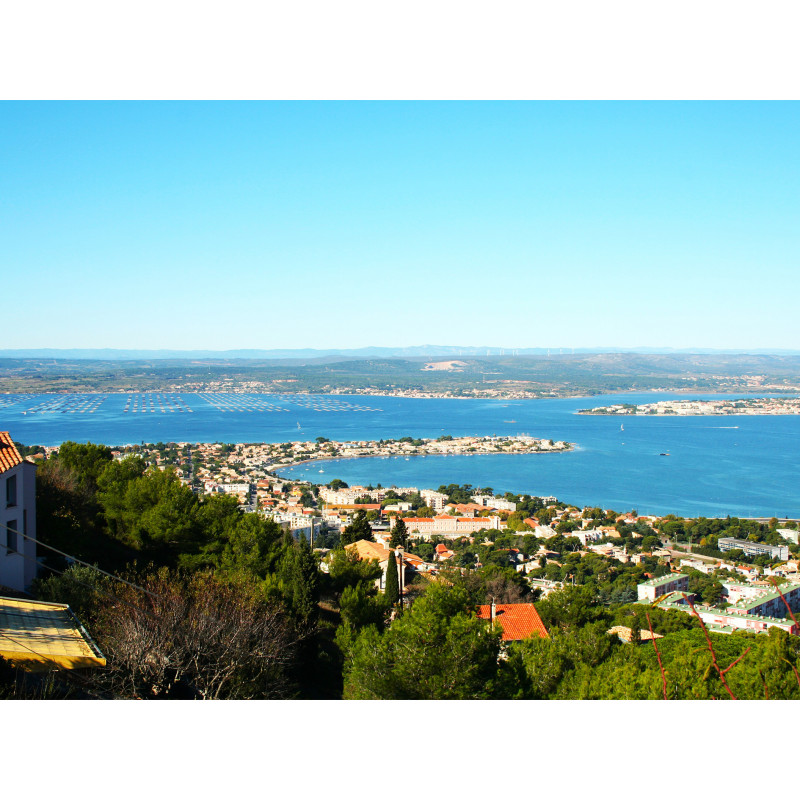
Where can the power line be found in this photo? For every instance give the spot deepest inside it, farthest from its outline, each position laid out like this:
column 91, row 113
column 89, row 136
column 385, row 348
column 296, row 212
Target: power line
column 77, row 560
column 83, row 583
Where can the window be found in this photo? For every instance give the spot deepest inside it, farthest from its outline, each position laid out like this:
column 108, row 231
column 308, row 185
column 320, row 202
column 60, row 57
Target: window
column 11, row 490
column 11, row 537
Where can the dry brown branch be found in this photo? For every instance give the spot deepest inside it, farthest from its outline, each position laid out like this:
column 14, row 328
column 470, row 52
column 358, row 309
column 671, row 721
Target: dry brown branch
column 198, row 639
column 794, row 669
column 658, row 655
column 764, row 682
column 785, row 602
column 720, row 672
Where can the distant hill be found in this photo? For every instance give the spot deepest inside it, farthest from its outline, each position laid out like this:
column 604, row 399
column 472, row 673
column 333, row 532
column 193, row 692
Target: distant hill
column 417, row 351
column 514, row 374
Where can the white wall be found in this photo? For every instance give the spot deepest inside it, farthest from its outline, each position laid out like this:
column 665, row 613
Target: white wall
column 17, row 570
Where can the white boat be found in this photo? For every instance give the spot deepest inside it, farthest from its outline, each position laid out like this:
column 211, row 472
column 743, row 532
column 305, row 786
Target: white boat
column 622, row 427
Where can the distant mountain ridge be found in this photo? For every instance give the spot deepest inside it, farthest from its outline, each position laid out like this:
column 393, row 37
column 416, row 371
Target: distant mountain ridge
column 417, row 351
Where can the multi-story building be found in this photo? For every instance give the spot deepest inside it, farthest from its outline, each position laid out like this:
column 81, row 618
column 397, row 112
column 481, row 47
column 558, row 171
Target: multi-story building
column 17, row 517
column 655, row 587
column 446, row 526
column 434, row 500
column 749, row 548
column 719, row 620
column 489, row 501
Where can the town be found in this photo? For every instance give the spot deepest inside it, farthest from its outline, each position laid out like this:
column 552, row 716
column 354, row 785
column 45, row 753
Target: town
column 352, row 561
column 697, row 408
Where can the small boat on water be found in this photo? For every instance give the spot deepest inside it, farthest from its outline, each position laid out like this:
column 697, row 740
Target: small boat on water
column 622, row 427
column 663, row 454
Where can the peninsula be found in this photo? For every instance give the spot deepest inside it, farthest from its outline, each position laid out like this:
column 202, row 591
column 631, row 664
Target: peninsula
column 217, row 463
column 752, row 406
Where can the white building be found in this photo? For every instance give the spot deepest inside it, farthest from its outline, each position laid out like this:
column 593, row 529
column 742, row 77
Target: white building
column 434, row 500
column 17, row 517
column 489, row 501
column 791, row 535
column 674, row 582
column 448, row 527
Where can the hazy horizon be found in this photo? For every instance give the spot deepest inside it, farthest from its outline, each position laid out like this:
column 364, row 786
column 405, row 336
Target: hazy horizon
column 367, row 351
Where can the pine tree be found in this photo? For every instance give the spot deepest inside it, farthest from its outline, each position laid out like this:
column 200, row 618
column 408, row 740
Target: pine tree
column 392, row 589
column 359, row 528
column 299, row 574
column 399, row 535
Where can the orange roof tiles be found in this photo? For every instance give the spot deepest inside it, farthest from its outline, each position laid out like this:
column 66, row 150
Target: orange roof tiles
column 373, row 550
column 9, row 455
column 517, row 620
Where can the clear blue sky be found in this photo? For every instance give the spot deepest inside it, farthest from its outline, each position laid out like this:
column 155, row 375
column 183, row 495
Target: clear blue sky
column 300, row 224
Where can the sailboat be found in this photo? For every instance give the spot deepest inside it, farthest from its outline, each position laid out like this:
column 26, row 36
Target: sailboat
column 622, row 427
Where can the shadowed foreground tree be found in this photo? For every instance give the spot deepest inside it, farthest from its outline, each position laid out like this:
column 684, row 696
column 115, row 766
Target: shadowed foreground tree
column 194, row 638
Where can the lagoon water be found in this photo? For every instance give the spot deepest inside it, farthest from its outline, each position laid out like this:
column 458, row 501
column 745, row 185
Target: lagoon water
column 738, row 465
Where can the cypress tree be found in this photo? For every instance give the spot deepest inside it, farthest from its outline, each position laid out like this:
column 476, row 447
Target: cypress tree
column 392, row 588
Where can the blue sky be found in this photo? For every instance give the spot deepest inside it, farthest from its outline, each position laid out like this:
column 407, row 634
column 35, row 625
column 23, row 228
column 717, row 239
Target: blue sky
column 346, row 224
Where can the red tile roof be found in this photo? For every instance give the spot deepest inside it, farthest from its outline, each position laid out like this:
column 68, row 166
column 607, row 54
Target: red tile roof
column 9, row 455
column 517, row 620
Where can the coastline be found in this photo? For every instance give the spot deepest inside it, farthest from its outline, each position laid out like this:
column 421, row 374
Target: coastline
column 275, row 468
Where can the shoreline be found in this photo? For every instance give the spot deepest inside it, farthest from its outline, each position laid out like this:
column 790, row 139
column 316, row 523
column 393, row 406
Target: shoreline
column 571, row 449
column 403, row 395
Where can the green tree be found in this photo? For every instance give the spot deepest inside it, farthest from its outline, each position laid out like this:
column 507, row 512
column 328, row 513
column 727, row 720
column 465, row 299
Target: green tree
column 87, row 461
column 298, row 574
column 358, row 529
column 392, row 589
column 436, row 650
column 347, row 569
column 399, row 535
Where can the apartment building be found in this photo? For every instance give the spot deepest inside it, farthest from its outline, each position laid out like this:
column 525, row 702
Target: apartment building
column 749, row 548
column 656, row 587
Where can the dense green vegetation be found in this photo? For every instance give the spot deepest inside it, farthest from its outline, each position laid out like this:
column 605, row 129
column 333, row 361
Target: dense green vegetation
column 223, row 604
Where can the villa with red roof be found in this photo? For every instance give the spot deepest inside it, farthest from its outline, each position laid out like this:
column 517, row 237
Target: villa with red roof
column 517, row 621
column 17, row 517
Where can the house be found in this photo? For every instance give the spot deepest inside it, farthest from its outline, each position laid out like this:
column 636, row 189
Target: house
column 17, row 517
column 442, row 553
column 516, row 620
column 412, row 565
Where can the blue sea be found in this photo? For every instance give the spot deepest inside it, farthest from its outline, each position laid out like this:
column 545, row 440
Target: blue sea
column 737, row 465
